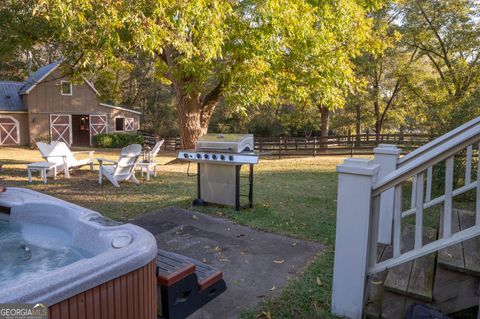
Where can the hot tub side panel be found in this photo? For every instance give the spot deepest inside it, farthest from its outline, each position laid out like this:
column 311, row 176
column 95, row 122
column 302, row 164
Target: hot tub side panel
column 131, row 296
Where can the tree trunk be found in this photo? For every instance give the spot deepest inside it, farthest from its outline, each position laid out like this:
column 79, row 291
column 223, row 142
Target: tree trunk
column 189, row 126
column 325, row 117
column 378, row 124
column 357, row 124
column 193, row 117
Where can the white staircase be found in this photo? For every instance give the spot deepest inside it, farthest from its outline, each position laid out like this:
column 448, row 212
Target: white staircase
column 389, row 202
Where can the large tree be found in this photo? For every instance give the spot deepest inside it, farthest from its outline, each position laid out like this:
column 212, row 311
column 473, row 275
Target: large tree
column 446, row 34
column 241, row 50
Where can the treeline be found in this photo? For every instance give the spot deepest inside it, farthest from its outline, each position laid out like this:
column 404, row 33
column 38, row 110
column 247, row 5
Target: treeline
column 273, row 68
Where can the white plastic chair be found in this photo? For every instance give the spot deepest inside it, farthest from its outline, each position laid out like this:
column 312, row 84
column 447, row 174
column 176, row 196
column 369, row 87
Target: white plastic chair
column 123, row 169
column 60, row 154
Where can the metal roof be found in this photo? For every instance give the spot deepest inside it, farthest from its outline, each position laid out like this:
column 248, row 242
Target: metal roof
column 38, row 76
column 10, row 100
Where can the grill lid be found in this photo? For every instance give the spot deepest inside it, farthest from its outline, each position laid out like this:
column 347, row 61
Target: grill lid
column 234, row 143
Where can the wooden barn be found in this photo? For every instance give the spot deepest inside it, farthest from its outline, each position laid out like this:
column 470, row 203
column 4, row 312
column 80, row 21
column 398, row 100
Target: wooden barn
column 48, row 106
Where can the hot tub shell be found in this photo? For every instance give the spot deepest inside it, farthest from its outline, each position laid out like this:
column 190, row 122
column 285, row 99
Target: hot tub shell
column 117, row 282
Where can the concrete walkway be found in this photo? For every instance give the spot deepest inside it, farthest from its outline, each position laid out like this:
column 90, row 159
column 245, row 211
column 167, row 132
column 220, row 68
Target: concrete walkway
column 255, row 264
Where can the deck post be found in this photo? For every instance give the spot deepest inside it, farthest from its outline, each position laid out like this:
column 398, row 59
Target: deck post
column 386, row 155
column 355, row 180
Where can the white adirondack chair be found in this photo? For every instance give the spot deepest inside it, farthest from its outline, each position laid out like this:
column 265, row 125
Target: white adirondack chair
column 155, row 150
column 123, row 169
column 59, row 153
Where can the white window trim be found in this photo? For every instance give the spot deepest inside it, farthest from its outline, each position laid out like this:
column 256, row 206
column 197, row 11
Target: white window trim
column 17, row 124
column 61, row 88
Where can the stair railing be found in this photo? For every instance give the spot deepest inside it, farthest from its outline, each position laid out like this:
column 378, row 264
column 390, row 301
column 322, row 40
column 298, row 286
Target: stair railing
column 370, row 201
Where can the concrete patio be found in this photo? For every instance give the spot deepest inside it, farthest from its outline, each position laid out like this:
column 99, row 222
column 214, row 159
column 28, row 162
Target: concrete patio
column 255, row 264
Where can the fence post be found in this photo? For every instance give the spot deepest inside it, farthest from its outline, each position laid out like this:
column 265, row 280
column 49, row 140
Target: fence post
column 314, row 146
column 386, row 156
column 355, row 179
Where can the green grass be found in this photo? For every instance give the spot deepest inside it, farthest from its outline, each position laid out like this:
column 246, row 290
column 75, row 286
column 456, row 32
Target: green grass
column 295, row 196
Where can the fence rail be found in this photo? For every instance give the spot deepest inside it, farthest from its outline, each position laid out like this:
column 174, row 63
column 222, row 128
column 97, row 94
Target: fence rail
column 316, row 146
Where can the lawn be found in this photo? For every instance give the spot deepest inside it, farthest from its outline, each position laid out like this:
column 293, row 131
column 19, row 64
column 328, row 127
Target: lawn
column 295, row 196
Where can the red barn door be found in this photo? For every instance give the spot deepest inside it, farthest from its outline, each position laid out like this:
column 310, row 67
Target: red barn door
column 61, row 128
column 9, row 131
column 98, row 125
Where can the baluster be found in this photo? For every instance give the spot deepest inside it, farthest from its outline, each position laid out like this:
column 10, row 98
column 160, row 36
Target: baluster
column 447, row 210
column 428, row 195
column 468, row 165
column 414, row 191
column 374, row 230
column 477, row 218
column 419, row 212
column 397, row 221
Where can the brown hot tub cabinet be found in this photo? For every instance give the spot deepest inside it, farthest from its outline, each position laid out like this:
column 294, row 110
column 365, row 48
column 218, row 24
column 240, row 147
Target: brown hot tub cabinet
column 131, row 296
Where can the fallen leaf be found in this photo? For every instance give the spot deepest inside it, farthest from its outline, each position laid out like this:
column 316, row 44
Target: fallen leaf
column 224, row 259
column 264, row 315
column 194, row 217
column 272, row 289
column 204, row 260
column 294, row 244
column 376, row 283
column 243, row 252
column 217, row 249
column 319, row 281
column 279, row 261
column 241, row 235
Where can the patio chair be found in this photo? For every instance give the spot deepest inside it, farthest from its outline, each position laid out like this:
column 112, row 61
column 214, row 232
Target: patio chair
column 123, row 169
column 60, row 154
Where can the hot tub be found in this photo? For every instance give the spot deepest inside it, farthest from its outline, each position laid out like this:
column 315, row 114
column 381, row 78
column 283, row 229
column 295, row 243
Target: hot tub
column 79, row 263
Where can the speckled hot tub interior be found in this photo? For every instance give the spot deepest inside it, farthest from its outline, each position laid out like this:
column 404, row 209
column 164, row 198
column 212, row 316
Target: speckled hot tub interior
column 52, row 251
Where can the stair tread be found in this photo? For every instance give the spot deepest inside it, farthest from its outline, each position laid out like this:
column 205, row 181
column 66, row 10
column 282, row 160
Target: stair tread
column 451, row 257
column 471, row 247
column 414, row 278
column 464, row 256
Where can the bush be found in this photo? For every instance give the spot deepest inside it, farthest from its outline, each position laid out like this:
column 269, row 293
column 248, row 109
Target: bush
column 117, row 140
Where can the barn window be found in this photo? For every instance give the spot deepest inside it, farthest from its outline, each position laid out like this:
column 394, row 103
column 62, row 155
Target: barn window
column 66, row 87
column 123, row 124
column 119, row 124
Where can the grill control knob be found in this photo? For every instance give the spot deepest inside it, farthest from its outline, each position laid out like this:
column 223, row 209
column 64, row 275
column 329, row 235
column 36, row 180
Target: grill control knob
column 205, row 156
column 214, row 156
column 199, row 156
column 222, row 157
column 185, row 155
column 230, row 157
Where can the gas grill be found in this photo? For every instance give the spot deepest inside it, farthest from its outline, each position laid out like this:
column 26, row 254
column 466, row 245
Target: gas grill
column 219, row 159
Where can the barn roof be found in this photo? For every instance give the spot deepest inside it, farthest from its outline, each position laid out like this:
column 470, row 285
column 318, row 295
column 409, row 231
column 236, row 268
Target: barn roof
column 9, row 98
column 38, row 76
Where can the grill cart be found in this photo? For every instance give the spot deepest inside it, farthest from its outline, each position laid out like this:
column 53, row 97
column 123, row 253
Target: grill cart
column 219, row 159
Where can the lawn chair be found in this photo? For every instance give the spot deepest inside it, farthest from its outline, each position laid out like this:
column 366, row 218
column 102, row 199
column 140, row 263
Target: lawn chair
column 61, row 155
column 149, row 163
column 123, row 169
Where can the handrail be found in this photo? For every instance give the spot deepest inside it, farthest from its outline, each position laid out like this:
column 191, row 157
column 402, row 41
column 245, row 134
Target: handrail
column 438, row 141
column 430, row 158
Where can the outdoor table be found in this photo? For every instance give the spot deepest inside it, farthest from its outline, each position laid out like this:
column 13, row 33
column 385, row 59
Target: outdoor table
column 43, row 168
column 148, row 167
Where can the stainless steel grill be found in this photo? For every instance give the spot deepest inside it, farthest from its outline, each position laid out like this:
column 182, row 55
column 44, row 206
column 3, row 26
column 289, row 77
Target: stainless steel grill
column 219, row 159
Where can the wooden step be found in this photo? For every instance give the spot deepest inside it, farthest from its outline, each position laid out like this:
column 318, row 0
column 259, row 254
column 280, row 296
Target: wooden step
column 453, row 292
column 465, row 256
column 414, row 278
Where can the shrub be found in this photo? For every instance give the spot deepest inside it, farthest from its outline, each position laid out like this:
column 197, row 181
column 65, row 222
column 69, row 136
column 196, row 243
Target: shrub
column 117, row 140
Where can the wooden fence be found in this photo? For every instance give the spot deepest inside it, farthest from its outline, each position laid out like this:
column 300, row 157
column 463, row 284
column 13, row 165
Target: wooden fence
column 316, row 146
